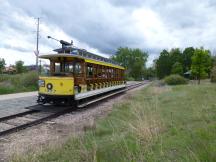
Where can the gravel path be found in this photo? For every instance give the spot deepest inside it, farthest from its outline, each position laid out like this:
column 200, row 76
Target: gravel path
column 57, row 130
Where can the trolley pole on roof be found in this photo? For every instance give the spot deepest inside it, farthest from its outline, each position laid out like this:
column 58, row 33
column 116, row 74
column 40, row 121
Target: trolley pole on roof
column 37, row 44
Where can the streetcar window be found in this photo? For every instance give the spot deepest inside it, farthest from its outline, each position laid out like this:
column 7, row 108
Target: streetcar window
column 112, row 73
column 69, row 68
column 57, row 67
column 99, row 71
column 78, row 68
column 104, row 72
column 89, row 71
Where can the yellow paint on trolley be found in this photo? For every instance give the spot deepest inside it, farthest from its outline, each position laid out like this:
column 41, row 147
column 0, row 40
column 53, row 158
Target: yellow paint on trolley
column 60, row 86
column 103, row 63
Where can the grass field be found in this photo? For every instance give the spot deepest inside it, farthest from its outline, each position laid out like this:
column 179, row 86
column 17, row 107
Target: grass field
column 18, row 83
column 175, row 123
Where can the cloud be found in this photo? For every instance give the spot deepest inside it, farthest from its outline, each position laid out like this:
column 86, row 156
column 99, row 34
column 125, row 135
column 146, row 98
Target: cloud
column 103, row 26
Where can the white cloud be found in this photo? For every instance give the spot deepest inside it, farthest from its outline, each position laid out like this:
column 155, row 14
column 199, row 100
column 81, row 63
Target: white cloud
column 11, row 56
column 19, row 42
column 102, row 26
column 152, row 29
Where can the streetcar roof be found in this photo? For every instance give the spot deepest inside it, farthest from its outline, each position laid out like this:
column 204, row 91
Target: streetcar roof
column 89, row 60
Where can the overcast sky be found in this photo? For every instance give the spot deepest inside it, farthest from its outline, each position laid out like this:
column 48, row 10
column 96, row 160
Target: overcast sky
column 104, row 25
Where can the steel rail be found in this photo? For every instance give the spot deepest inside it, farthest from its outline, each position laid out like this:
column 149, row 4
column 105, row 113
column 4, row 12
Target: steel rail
column 5, row 118
column 129, row 87
column 35, row 122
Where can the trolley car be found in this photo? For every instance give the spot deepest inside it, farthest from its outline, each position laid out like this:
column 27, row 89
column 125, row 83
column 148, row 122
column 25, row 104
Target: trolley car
column 76, row 74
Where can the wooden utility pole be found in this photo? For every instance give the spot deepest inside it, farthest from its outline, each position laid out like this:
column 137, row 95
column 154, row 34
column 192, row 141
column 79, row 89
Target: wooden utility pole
column 37, row 44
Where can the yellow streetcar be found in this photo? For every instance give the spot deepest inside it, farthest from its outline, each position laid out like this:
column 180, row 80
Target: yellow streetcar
column 76, row 75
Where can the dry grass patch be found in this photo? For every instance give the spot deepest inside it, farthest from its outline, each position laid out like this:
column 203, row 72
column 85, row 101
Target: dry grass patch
column 147, row 123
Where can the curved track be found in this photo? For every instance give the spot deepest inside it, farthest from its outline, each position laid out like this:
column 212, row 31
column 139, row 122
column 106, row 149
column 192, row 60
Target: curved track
column 39, row 113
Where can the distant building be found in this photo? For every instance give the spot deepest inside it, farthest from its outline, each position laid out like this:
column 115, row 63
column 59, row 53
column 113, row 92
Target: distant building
column 9, row 70
column 187, row 74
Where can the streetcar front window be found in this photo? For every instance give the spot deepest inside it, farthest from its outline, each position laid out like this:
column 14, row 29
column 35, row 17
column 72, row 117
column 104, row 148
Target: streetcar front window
column 62, row 69
column 69, row 68
column 57, row 67
column 44, row 67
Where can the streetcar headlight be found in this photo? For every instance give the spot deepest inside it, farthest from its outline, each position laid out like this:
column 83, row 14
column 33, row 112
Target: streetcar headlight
column 41, row 83
column 49, row 86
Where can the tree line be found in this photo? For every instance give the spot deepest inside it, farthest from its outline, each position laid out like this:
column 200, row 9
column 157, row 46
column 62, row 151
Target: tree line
column 194, row 63
column 19, row 66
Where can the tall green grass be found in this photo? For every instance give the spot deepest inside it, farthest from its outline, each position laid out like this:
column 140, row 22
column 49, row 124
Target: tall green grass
column 18, row 83
column 155, row 124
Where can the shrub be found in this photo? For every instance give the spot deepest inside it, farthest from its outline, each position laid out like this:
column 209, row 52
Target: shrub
column 175, row 80
column 18, row 83
column 213, row 75
column 130, row 79
column 4, row 77
column 7, row 90
column 15, row 79
column 29, row 79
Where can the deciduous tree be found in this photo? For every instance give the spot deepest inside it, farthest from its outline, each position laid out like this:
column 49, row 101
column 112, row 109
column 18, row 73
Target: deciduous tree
column 163, row 64
column 2, row 64
column 187, row 58
column 213, row 75
column 19, row 66
column 177, row 68
column 134, row 60
column 201, row 63
column 175, row 55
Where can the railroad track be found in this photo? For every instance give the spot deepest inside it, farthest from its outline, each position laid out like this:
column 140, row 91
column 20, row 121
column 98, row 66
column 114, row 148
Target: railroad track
column 132, row 86
column 17, row 122
column 39, row 113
